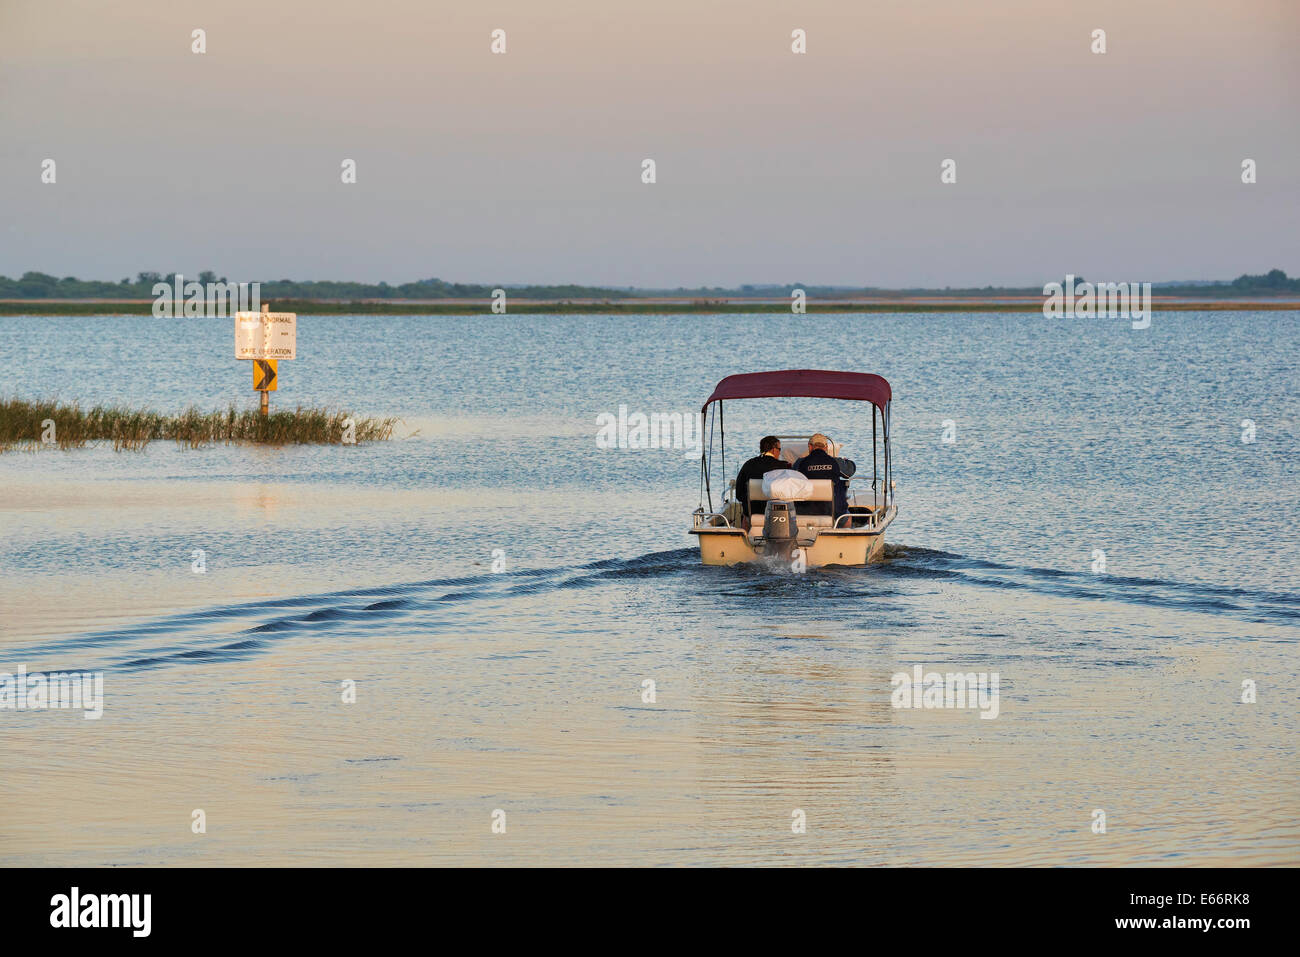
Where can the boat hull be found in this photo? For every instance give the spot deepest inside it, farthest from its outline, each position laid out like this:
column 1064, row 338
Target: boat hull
column 731, row 546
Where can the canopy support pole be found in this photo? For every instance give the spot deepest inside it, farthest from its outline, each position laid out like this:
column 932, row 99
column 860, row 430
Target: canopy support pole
column 708, row 488
column 722, row 446
column 874, row 467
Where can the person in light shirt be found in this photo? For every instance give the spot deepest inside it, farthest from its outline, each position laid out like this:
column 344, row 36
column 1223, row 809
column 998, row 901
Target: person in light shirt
column 820, row 464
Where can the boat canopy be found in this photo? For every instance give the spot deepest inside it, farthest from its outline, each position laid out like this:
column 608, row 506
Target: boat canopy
column 803, row 383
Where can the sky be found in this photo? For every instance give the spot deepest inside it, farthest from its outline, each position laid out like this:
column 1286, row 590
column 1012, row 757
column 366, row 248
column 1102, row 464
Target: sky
column 771, row 166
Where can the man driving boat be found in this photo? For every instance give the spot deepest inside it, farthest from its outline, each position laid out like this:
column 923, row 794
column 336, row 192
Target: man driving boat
column 767, row 460
column 820, row 464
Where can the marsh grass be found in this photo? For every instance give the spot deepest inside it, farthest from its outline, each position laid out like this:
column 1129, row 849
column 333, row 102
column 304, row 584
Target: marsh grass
column 25, row 424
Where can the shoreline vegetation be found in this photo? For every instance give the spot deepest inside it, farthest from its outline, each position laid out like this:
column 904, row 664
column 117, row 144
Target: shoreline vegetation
column 623, row 307
column 40, row 294
column 33, row 425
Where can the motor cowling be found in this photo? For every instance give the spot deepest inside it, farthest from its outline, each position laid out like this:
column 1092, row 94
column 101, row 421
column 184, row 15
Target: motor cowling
column 780, row 522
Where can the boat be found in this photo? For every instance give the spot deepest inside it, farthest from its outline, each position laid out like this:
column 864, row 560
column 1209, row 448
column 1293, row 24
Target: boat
column 780, row 531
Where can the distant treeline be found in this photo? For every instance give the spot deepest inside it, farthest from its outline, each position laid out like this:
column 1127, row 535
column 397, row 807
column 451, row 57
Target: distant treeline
column 739, row 307
column 36, row 285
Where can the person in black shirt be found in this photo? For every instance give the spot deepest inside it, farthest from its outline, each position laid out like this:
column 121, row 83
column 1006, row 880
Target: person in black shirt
column 768, row 459
column 820, row 464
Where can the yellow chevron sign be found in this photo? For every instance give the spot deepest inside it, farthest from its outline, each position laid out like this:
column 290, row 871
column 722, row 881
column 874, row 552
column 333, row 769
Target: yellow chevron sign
column 264, row 377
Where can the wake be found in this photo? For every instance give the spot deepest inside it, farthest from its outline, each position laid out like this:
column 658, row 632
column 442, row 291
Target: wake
column 206, row 636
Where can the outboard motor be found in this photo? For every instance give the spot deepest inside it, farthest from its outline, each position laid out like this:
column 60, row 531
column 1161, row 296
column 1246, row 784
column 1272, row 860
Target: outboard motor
column 780, row 527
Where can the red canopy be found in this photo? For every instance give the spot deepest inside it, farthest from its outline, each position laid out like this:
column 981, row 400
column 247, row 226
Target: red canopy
column 809, row 383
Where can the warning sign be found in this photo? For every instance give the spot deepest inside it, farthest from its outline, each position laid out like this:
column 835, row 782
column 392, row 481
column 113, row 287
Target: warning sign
column 264, row 375
column 266, row 335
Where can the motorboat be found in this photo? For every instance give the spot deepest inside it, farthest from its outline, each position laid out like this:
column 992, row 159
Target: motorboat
column 797, row 530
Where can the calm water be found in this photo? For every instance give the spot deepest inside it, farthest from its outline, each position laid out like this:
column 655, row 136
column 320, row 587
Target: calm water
column 521, row 690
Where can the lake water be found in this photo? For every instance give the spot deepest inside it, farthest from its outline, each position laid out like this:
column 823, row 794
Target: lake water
column 519, row 687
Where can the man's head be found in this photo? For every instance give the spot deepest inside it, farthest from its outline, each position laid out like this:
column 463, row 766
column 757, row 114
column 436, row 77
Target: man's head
column 819, row 441
column 769, row 445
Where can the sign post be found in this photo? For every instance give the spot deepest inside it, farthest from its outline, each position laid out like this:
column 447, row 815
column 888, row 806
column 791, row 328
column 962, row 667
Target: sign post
column 266, row 337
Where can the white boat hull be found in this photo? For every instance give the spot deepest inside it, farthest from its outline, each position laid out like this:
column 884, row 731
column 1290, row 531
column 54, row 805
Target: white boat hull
column 733, row 546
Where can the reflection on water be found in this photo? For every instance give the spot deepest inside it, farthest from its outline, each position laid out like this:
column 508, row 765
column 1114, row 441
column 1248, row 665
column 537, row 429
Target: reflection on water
column 471, row 698
column 524, row 690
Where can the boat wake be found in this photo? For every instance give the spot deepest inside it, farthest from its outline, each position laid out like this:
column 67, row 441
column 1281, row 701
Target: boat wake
column 1246, row 604
column 239, row 631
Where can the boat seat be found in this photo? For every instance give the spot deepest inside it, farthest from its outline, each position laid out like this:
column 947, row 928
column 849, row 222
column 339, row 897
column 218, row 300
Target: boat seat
column 823, row 491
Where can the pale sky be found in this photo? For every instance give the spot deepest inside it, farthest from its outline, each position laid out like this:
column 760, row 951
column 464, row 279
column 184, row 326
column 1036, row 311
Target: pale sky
column 772, row 167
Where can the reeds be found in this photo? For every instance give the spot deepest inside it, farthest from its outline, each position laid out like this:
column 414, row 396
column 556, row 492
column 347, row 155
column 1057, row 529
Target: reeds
column 50, row 423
